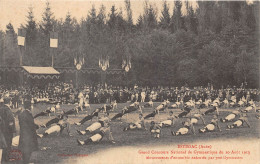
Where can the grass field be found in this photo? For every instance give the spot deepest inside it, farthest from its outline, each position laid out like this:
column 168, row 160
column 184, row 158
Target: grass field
column 65, row 145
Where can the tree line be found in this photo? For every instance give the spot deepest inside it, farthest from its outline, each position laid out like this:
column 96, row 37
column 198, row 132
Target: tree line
column 217, row 42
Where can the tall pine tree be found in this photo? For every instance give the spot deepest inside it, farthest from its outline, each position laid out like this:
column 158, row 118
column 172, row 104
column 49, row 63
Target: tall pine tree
column 30, row 39
column 165, row 18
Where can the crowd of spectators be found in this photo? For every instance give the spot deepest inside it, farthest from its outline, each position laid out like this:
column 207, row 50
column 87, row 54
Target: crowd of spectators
column 66, row 93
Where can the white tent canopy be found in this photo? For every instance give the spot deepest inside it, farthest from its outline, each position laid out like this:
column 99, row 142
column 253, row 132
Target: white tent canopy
column 41, row 70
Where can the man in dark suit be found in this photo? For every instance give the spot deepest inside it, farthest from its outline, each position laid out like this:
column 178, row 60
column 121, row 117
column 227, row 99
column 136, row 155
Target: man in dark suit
column 9, row 128
column 2, row 138
column 28, row 137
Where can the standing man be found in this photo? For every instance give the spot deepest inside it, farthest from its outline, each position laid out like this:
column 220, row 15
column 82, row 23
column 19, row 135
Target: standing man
column 9, row 128
column 81, row 100
column 28, row 137
column 143, row 95
column 2, row 138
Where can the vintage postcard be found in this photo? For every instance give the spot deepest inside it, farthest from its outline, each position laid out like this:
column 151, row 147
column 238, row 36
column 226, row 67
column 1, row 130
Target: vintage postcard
column 129, row 81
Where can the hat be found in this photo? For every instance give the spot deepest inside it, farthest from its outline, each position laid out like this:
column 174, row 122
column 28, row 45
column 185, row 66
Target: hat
column 27, row 97
column 27, row 104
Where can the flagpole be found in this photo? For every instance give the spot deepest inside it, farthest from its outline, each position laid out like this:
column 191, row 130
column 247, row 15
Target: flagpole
column 21, row 64
column 77, row 85
column 21, row 42
column 52, row 58
column 21, row 57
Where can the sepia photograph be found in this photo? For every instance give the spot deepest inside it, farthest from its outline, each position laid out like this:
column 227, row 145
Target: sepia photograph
column 129, row 82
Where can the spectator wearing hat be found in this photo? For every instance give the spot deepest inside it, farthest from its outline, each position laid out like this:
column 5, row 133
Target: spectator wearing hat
column 9, row 128
column 28, row 137
column 2, row 138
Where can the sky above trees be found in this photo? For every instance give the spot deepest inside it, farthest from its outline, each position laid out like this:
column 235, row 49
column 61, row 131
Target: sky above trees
column 14, row 11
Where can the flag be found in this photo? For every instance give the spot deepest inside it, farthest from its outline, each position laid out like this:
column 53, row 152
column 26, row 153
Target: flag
column 75, row 61
column 21, row 36
column 124, row 63
column 54, row 39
